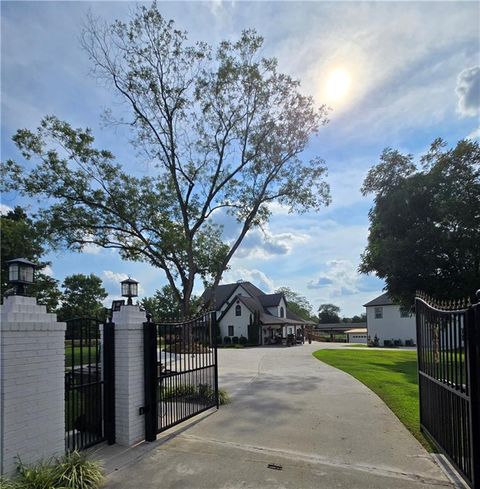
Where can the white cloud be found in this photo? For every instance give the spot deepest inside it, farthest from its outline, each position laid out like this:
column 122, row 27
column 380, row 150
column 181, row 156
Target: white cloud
column 265, row 244
column 5, row 209
column 48, row 271
column 475, row 134
column 468, row 92
column 114, row 277
column 257, row 277
column 92, row 249
column 341, row 277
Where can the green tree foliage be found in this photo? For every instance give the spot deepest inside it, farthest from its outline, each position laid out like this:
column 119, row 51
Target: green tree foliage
column 22, row 238
column 222, row 130
column 328, row 313
column 425, row 223
column 82, row 297
column 297, row 303
column 163, row 305
column 359, row 319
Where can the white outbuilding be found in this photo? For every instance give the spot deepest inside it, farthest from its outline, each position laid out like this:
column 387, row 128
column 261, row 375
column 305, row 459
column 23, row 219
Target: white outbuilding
column 389, row 323
column 356, row 335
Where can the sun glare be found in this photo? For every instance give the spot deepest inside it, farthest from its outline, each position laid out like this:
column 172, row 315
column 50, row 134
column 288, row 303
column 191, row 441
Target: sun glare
column 338, row 84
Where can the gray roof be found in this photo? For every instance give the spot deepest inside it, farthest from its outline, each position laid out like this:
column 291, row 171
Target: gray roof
column 270, row 300
column 224, row 292
column 381, row 300
column 257, row 304
column 339, row 326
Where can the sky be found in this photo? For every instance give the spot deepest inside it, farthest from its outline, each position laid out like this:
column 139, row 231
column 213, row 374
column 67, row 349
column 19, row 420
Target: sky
column 396, row 74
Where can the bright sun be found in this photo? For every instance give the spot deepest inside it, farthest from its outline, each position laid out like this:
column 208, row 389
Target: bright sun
column 338, row 84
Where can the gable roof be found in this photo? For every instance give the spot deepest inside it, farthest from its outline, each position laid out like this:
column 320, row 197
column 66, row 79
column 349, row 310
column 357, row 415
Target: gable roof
column 381, row 300
column 254, row 305
column 224, row 292
column 270, row 300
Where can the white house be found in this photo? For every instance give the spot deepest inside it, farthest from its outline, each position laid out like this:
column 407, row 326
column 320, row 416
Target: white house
column 387, row 321
column 241, row 306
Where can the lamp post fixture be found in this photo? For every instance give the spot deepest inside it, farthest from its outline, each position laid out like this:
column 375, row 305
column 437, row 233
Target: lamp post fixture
column 129, row 289
column 21, row 274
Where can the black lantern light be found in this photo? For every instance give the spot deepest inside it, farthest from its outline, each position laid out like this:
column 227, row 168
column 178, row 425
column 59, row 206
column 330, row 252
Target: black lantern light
column 129, row 289
column 20, row 274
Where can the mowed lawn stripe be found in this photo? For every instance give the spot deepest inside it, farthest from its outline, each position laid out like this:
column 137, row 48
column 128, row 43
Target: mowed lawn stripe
column 392, row 375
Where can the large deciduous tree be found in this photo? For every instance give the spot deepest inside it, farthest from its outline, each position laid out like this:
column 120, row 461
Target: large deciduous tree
column 328, row 313
column 297, row 303
column 222, row 129
column 22, row 238
column 425, row 223
column 163, row 305
column 82, row 297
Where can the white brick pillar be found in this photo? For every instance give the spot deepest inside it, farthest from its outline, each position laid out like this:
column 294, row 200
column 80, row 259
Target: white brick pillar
column 32, row 389
column 129, row 381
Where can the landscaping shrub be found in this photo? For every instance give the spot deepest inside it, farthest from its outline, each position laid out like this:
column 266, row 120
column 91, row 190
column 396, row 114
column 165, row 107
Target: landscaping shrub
column 227, row 340
column 235, row 340
column 75, row 471
column 218, row 340
column 72, row 471
column 37, row 476
column 387, row 343
column 223, row 397
column 183, row 390
column 9, row 484
column 242, row 340
column 409, row 342
column 398, row 343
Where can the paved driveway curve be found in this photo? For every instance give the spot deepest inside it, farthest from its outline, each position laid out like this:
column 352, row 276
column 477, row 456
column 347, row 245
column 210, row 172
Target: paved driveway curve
column 316, row 425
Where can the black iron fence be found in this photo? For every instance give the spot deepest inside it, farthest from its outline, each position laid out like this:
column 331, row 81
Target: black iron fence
column 181, row 375
column 89, row 383
column 448, row 339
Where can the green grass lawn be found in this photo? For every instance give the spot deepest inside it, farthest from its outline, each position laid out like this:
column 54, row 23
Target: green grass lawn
column 392, row 375
column 77, row 358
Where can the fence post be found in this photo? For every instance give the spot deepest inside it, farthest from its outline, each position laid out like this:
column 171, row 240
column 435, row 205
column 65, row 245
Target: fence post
column 419, row 332
column 129, row 393
column 150, row 379
column 473, row 364
column 109, row 380
column 32, row 388
column 214, row 328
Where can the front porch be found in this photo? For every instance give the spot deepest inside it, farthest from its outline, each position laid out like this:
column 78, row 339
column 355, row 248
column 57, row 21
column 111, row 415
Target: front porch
column 283, row 334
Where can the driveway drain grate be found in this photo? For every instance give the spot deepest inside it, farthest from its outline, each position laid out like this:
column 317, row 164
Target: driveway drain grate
column 274, row 467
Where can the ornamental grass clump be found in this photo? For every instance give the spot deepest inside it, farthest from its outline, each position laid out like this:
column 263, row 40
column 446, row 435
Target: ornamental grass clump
column 75, row 471
column 36, row 476
column 72, row 471
column 9, row 484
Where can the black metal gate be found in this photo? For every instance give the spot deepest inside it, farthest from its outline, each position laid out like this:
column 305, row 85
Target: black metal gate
column 181, row 375
column 89, row 383
column 448, row 340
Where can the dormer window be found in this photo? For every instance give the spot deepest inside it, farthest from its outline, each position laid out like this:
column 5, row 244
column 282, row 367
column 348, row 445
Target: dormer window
column 238, row 310
column 282, row 312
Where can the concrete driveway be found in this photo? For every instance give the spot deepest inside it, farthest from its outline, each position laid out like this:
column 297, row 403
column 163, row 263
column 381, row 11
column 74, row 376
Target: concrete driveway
column 294, row 422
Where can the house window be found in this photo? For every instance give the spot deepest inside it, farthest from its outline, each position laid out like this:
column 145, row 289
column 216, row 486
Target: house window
column 230, row 330
column 238, row 310
column 404, row 313
column 378, row 312
column 282, row 312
